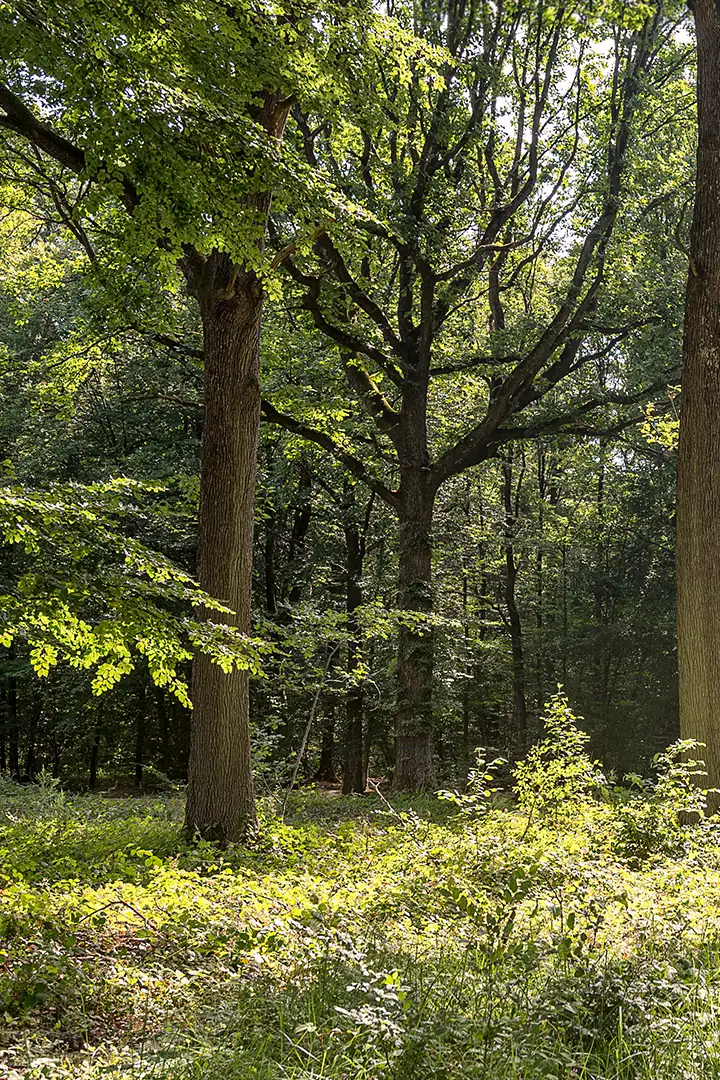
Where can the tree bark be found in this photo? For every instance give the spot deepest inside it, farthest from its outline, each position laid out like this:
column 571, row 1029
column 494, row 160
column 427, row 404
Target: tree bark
column 220, row 798
column 326, row 765
column 13, row 739
column 698, row 492
column 516, row 634
column 163, row 728
column 414, row 765
column 354, row 774
column 95, row 753
column 140, row 736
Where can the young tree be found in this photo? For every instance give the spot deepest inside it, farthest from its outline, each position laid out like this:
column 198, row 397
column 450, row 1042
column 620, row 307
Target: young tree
column 698, row 479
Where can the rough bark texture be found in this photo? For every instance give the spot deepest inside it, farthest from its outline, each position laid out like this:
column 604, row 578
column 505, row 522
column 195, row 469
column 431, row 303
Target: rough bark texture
column 698, row 496
column 414, row 766
column 220, row 800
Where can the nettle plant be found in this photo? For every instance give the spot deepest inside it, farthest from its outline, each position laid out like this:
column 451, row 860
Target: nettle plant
column 558, row 772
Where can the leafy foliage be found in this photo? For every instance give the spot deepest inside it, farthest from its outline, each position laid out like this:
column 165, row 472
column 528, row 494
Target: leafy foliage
column 90, row 595
column 558, row 775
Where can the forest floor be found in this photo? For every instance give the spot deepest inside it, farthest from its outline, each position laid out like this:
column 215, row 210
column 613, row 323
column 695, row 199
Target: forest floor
column 355, row 941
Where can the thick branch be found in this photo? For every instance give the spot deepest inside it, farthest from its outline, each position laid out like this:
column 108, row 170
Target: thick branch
column 354, row 465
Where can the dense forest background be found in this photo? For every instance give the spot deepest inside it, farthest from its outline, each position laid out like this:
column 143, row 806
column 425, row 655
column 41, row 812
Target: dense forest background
column 513, row 205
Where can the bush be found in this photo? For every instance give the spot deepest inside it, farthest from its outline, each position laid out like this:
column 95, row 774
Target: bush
column 557, row 773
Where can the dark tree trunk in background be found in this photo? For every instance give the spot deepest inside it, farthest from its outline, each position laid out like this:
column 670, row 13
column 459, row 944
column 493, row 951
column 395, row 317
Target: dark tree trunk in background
column 140, row 736
column 12, row 723
column 414, row 765
column 163, row 729
column 698, row 490
column 510, row 496
column 326, row 765
column 220, row 798
column 95, row 754
column 298, row 536
column 31, row 768
column 354, row 774
column 270, row 568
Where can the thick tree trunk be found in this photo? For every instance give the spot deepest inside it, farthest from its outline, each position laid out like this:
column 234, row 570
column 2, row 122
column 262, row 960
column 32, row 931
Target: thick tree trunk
column 220, row 798
column 698, row 495
column 414, row 765
column 354, row 775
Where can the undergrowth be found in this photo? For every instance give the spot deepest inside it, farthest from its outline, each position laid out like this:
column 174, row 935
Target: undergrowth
column 573, row 933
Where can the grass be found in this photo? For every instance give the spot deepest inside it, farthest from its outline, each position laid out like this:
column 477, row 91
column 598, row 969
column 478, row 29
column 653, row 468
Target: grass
column 353, row 942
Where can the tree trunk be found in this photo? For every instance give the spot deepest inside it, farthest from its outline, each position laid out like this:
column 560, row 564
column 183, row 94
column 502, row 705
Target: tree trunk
column 13, row 739
column 220, row 798
column 3, row 727
column 414, row 766
column 326, row 765
column 516, row 635
column 95, row 753
column 354, row 774
column 164, row 729
column 140, row 737
column 698, row 492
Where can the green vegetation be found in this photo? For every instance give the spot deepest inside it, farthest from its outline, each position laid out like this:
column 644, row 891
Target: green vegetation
column 359, row 637
column 413, row 937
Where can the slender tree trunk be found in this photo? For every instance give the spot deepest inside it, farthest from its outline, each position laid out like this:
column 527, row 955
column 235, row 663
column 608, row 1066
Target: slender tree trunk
column 516, row 634
column 163, row 728
column 270, row 569
column 220, row 798
column 140, row 737
column 13, row 735
column 3, row 727
column 414, row 766
column 354, row 774
column 698, row 492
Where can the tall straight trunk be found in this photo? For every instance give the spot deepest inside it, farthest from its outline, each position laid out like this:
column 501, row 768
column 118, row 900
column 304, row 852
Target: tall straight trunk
column 163, row 728
column 414, row 765
column 354, row 768
column 95, row 753
column 516, row 634
column 3, row 728
column 12, row 724
column 220, row 798
column 140, row 737
column 326, row 765
column 698, row 490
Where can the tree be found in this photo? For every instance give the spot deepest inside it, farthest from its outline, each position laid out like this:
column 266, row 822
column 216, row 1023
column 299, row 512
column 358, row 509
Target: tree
column 179, row 130
column 698, row 476
column 460, row 277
